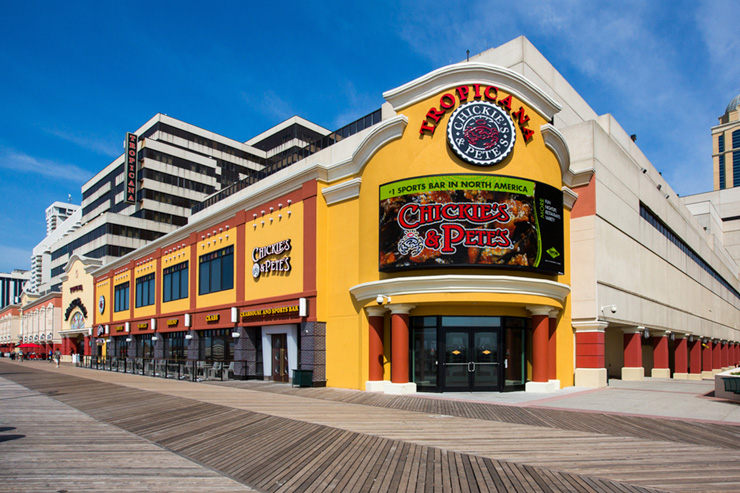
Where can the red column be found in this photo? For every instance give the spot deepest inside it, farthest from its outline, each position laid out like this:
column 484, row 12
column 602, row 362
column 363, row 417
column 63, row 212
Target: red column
column 734, row 354
column 724, row 356
column 681, row 355
column 590, row 349
column 633, row 349
column 400, row 343
column 660, row 351
column 695, row 351
column 716, row 356
column 87, row 346
column 375, row 343
column 552, row 346
column 540, row 333
column 706, row 355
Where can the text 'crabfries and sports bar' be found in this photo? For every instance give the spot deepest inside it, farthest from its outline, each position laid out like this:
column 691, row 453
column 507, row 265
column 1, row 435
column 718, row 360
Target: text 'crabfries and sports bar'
column 489, row 232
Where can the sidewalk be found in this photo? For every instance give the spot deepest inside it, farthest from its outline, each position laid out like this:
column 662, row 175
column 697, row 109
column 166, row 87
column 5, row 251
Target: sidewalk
column 656, row 397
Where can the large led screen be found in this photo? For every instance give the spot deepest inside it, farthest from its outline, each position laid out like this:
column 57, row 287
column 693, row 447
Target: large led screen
column 471, row 220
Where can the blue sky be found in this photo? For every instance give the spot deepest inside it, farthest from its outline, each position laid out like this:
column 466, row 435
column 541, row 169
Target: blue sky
column 79, row 75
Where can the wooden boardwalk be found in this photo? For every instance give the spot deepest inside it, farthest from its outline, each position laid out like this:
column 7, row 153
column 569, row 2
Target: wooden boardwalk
column 275, row 438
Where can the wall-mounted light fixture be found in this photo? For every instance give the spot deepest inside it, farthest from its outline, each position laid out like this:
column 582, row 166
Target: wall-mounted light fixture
column 235, row 335
column 188, row 336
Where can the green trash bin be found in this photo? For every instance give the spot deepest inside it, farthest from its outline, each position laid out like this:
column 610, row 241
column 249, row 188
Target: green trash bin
column 302, row 378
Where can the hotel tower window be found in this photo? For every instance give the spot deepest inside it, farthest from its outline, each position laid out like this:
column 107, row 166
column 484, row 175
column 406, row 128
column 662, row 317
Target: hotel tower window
column 121, row 297
column 216, row 271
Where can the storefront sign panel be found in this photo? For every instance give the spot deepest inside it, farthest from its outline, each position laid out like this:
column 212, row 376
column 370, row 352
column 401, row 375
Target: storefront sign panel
column 471, row 220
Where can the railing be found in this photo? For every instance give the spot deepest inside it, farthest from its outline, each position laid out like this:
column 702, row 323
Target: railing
column 193, row 370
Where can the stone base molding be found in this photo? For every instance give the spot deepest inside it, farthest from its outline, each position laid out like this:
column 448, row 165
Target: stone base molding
column 633, row 374
column 591, row 377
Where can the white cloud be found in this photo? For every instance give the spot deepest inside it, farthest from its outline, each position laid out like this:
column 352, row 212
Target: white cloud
column 89, row 142
column 270, row 105
column 23, row 163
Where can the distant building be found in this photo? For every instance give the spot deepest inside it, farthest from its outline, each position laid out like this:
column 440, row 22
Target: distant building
column 726, row 147
column 63, row 223
column 177, row 166
column 11, row 286
column 57, row 213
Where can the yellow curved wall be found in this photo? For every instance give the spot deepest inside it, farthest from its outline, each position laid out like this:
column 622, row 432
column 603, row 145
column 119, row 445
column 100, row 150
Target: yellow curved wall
column 351, row 231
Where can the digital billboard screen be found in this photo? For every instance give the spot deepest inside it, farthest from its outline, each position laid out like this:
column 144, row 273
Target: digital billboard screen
column 470, row 220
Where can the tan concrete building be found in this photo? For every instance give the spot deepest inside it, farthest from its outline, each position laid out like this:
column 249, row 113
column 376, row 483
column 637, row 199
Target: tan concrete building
column 79, row 304
column 726, row 147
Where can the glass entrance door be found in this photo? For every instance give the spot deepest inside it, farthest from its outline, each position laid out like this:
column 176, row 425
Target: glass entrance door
column 471, row 359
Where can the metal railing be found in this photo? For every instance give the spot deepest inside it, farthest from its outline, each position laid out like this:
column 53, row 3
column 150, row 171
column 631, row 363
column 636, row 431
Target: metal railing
column 193, row 370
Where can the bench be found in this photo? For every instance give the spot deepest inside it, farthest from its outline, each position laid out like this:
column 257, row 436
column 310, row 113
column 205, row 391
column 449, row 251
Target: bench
column 732, row 384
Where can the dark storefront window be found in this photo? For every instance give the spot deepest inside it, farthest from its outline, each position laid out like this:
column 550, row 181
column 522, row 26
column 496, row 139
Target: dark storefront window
column 121, row 297
column 146, row 346
column 145, row 290
column 216, row 271
column 175, row 282
column 174, row 346
column 216, row 345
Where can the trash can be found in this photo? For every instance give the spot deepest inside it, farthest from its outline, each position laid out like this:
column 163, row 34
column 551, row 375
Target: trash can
column 302, row 378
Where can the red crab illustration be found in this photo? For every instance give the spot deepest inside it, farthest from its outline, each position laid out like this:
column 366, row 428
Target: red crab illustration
column 479, row 130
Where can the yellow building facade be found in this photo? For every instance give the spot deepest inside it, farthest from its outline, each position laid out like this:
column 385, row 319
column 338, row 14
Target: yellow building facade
column 428, row 252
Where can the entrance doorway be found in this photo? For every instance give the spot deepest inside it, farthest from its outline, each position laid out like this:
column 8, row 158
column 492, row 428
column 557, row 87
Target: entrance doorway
column 468, row 354
column 471, row 360
column 280, row 358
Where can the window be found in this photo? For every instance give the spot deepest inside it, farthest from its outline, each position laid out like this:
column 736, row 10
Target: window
column 121, row 297
column 216, row 271
column 722, row 179
column 145, row 290
column 736, row 139
column 721, row 143
column 175, row 282
column 736, row 169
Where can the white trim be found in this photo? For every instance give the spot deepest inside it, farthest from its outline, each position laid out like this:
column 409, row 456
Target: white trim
column 569, row 198
column 379, row 135
column 343, row 191
column 472, row 73
column 368, row 291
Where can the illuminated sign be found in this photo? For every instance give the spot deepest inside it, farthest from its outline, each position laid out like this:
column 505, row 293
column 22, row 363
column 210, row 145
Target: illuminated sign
column 173, row 322
column 471, row 220
column 263, row 267
column 481, row 133
column 120, row 328
column 212, row 318
column 143, row 326
column 462, row 94
column 74, row 289
column 264, row 312
column 130, row 161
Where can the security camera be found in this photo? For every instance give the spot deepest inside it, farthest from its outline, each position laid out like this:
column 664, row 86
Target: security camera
column 614, row 308
column 644, row 170
column 381, row 298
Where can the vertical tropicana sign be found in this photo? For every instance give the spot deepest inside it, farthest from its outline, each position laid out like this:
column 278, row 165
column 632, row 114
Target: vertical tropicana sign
column 129, row 167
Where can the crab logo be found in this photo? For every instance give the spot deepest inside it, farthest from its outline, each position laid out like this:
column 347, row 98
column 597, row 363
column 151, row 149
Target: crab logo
column 481, row 133
column 411, row 243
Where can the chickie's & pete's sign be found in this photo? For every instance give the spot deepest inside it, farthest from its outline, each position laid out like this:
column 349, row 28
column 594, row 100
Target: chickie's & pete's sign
column 471, row 220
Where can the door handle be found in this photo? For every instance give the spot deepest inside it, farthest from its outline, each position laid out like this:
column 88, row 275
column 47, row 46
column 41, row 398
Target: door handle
column 471, row 367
